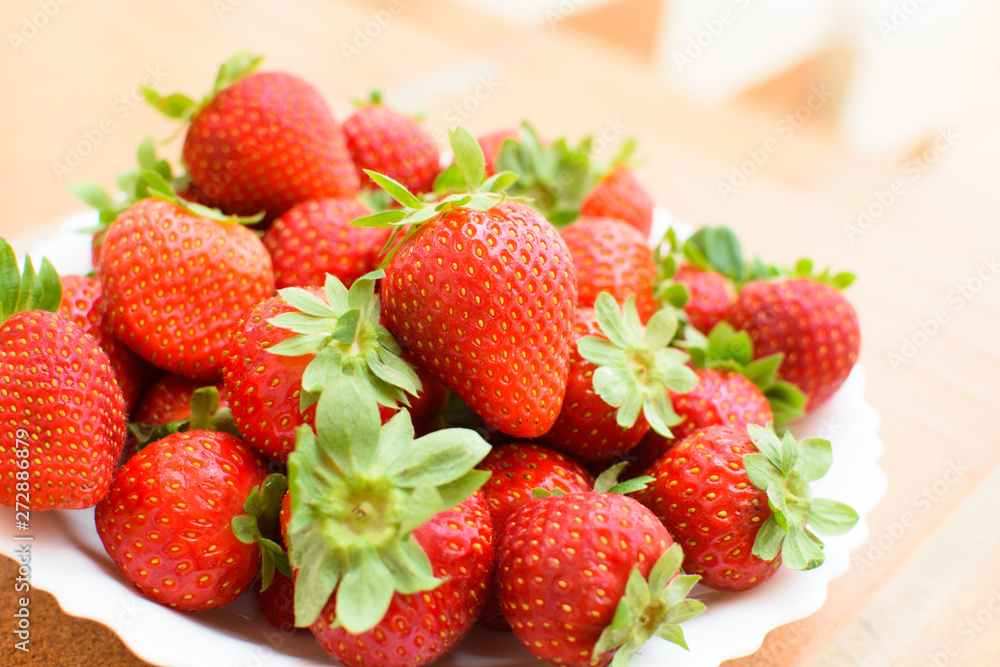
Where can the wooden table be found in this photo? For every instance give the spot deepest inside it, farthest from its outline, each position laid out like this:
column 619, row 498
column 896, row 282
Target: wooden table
column 925, row 589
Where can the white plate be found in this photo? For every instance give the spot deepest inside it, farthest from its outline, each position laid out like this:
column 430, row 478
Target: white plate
column 69, row 561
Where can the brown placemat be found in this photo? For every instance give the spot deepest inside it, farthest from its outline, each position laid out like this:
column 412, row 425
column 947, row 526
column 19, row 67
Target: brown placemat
column 56, row 639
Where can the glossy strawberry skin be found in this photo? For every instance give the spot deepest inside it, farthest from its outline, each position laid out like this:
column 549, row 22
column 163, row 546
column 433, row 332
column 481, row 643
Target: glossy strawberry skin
column 420, row 628
column 267, row 143
column 166, row 521
column 721, row 397
column 263, row 389
column 82, row 305
column 315, row 238
column 491, row 144
column 703, row 495
column 587, row 427
column 612, row 256
column 176, row 283
column 620, row 195
column 709, row 296
column 485, row 302
column 277, row 603
column 169, row 400
column 61, row 404
column 810, row 322
column 392, row 143
column 562, row 567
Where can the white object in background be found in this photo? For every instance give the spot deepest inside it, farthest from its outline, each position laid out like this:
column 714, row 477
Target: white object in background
column 716, row 49
column 532, row 13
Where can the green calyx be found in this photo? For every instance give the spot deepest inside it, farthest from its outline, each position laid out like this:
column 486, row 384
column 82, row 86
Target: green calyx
column 151, row 184
column 344, row 333
column 637, row 368
column 606, row 482
column 21, row 292
column 181, row 107
column 206, row 415
column 556, row 177
column 462, row 185
column 653, row 607
column 804, row 268
column 726, row 349
column 783, row 469
column 261, row 523
column 359, row 489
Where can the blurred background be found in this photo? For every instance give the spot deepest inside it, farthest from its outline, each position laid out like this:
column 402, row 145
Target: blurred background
column 862, row 133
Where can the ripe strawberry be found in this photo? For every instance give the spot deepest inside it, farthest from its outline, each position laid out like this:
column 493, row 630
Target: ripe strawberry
column 492, row 142
column 482, row 294
column 518, row 469
column 82, row 305
column 174, row 521
column 315, row 238
column 612, row 256
column 808, row 321
column 710, row 295
column 273, row 376
column 169, row 400
column 394, row 144
column 176, row 281
column 716, row 495
column 277, row 602
column 620, row 195
column 261, row 141
column 563, row 566
column 61, row 408
column 389, row 537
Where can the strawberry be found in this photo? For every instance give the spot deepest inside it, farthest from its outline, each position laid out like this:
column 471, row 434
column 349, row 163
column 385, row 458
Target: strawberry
column 261, row 142
column 61, row 409
column 392, row 143
column 587, row 578
column 169, row 400
column 738, row 501
column 611, row 256
column 315, row 238
column 274, row 374
column 174, row 522
column 619, row 381
column 277, row 602
column 518, row 469
column 810, row 323
column 389, row 538
column 491, row 144
column 175, row 281
column 482, row 294
column 82, row 305
column 710, row 295
column 620, row 195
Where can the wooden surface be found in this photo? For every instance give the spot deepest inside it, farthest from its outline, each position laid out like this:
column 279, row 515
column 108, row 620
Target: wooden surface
column 925, row 589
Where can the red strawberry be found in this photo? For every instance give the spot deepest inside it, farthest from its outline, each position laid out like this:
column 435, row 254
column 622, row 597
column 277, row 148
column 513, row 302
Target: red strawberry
column 421, row 627
column 620, row 195
column 709, row 296
column 168, row 521
column 262, row 142
column 484, row 299
column 61, row 408
column 266, row 364
column 808, row 321
column 612, row 256
column 277, row 602
column 392, row 143
column 711, row 492
column 563, row 565
column 81, row 304
column 388, row 537
column 175, row 282
column 315, row 238
column 169, row 400
column 491, row 144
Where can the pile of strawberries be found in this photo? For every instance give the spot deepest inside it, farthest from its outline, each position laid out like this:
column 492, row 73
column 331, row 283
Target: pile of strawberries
column 393, row 398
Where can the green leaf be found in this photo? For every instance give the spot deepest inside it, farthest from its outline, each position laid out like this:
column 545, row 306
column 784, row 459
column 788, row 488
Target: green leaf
column 799, row 552
column 301, row 323
column 318, row 575
column 327, row 365
column 762, row 371
column 93, row 195
column 365, row 593
column 769, row 539
column 815, row 458
column 438, row 458
column 347, row 326
column 600, row 352
column 630, row 409
column 396, row 190
column 661, row 329
column 347, row 419
column 307, row 302
column 789, row 453
column 381, row 219
column 609, row 317
column 767, row 442
column 176, row 106
column 659, row 412
column 204, row 404
column 613, row 385
column 632, row 485
column 608, row 479
column 468, row 156
column 455, row 492
column 296, row 346
column 667, row 565
column 762, row 473
column 235, row 68
column 830, row 517
column 786, row 400
column 449, row 180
